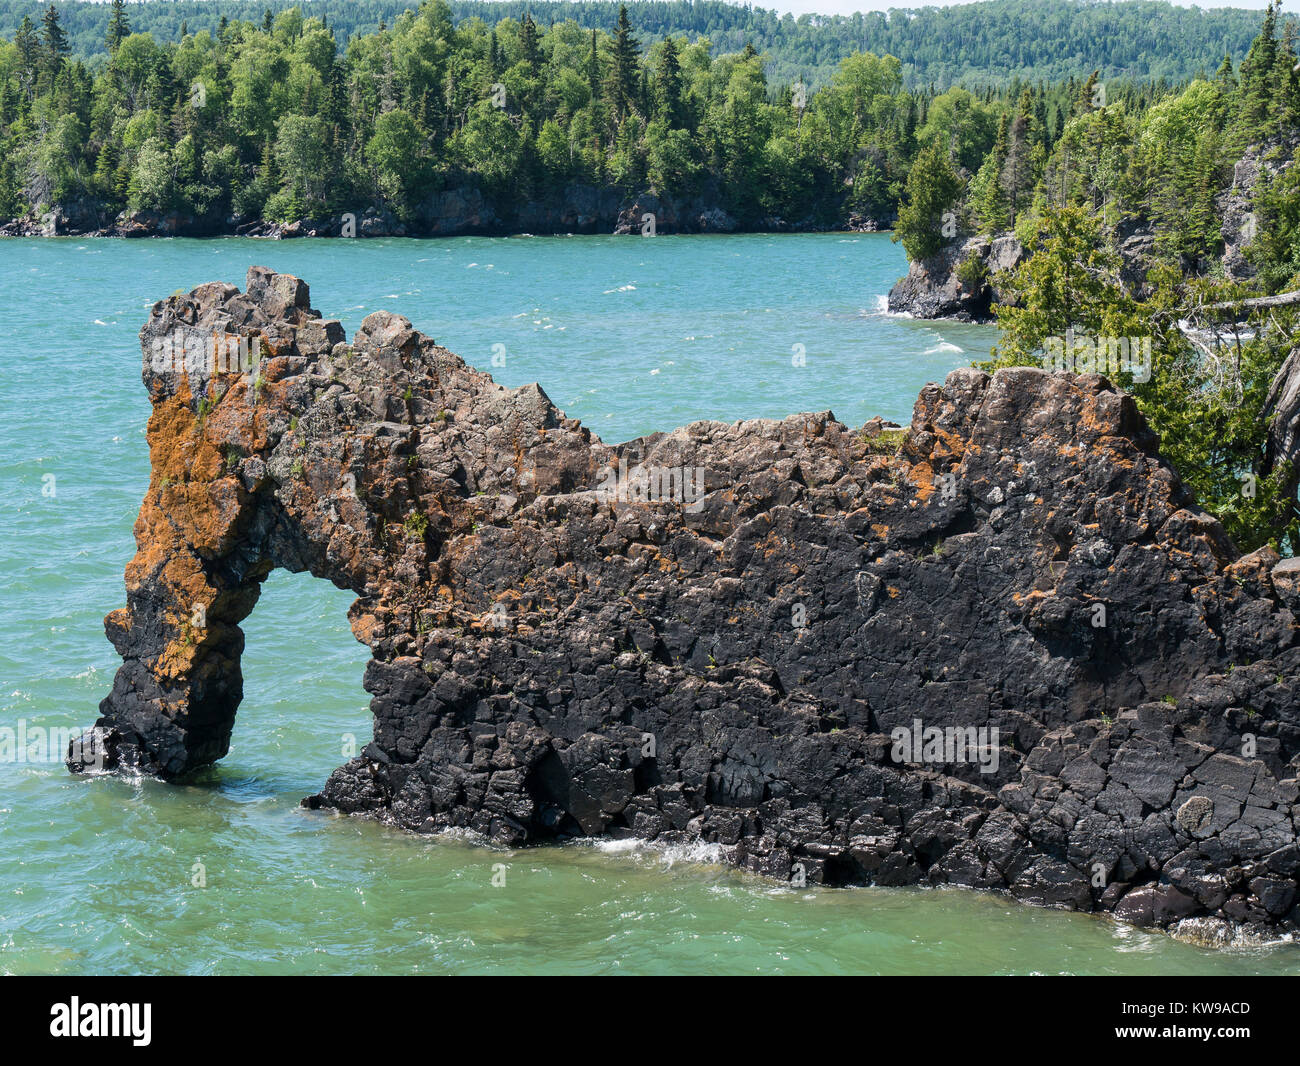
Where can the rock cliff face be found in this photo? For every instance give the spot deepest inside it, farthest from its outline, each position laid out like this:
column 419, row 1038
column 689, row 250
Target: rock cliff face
column 456, row 211
column 935, row 288
column 1236, row 204
column 939, row 287
column 1001, row 648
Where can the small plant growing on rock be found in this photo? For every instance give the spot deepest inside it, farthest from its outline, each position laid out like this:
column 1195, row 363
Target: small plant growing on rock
column 972, row 272
column 297, row 468
column 886, row 442
column 416, row 525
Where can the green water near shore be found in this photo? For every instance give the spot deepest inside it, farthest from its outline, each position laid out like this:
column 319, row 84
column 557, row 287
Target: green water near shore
column 227, row 874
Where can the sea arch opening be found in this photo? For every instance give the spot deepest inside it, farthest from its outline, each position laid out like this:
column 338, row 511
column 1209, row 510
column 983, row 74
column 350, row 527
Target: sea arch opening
column 302, row 670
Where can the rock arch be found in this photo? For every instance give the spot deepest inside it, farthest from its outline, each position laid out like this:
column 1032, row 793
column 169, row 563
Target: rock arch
column 562, row 646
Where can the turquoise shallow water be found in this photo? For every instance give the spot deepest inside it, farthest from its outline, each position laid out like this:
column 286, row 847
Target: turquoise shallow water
column 227, row 874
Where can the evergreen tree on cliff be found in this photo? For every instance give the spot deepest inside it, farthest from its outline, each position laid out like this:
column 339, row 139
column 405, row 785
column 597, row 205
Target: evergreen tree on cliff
column 623, row 75
column 29, row 46
column 1017, row 176
column 988, row 200
column 1258, row 72
column 669, row 84
column 933, row 187
column 56, row 41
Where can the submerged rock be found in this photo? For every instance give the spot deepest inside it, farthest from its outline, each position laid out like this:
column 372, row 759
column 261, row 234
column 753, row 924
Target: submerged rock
column 999, row 648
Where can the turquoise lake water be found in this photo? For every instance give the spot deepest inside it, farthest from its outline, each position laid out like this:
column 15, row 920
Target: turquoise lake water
column 226, row 874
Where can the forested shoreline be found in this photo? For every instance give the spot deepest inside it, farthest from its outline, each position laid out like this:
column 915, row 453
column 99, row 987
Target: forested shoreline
column 427, row 126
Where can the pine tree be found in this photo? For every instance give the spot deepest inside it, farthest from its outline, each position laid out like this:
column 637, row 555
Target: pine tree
column 1225, row 76
column 593, row 69
column 532, row 53
column 1286, row 85
column 56, row 41
column 1086, row 101
column 118, row 26
column 1040, row 120
column 988, row 200
column 106, row 166
column 669, row 84
column 28, row 44
column 933, row 186
column 1257, row 72
column 622, row 84
column 1017, row 177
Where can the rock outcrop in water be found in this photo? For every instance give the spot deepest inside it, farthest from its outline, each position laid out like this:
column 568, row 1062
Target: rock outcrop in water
column 959, row 281
column 729, row 633
column 965, row 279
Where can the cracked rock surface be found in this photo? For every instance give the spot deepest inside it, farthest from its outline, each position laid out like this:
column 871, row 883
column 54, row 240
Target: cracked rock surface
column 550, row 661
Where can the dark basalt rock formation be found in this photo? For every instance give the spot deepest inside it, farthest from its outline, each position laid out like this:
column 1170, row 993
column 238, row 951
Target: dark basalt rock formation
column 934, row 287
column 554, row 659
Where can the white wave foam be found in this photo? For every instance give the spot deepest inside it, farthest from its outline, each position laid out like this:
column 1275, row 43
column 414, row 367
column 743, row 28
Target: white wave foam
column 880, row 309
column 698, row 852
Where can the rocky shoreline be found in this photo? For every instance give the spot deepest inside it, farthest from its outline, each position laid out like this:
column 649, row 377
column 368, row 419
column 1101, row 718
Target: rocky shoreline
column 1000, row 648
column 458, row 211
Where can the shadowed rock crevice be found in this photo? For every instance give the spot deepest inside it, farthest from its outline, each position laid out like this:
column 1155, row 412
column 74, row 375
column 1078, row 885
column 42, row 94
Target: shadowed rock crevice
column 552, row 657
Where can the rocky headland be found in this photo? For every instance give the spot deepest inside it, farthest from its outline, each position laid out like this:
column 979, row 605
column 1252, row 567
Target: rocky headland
column 967, row 276
column 960, row 281
column 1000, row 648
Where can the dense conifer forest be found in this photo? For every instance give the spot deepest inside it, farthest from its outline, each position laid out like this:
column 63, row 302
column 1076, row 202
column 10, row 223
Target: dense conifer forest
column 988, row 42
